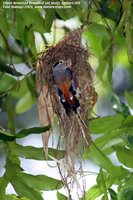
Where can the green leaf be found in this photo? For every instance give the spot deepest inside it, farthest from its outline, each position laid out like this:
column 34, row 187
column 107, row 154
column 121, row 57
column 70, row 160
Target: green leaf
column 11, row 117
column 38, row 22
column 98, row 157
column 105, row 68
column 104, row 124
column 3, row 184
column 23, row 190
column 33, row 130
column 97, row 47
column 3, row 24
column 113, row 194
column 130, row 140
column 115, row 175
column 127, row 7
column 128, row 122
column 125, row 189
column 102, row 65
column 31, row 39
column 108, row 12
column 93, row 193
column 25, row 103
column 30, row 152
column 6, row 83
column 110, row 64
column 101, row 180
column 129, row 97
column 61, row 14
column 128, row 194
column 25, row 85
column 40, row 182
column 5, row 136
column 99, row 30
column 49, row 18
column 10, row 70
column 107, row 141
column 14, row 197
column 61, row 196
column 124, row 155
column 11, row 167
column 119, row 107
column 18, row 27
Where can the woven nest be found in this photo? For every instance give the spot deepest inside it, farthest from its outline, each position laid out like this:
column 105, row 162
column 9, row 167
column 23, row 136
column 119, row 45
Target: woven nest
column 74, row 128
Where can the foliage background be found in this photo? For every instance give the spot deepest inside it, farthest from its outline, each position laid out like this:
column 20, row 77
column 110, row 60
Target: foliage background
column 109, row 34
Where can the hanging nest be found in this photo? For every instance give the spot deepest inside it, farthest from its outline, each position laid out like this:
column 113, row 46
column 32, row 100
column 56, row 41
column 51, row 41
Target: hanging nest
column 74, row 128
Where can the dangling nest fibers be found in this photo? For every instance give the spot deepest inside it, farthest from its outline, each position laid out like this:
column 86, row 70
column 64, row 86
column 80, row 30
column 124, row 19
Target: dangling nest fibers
column 74, row 128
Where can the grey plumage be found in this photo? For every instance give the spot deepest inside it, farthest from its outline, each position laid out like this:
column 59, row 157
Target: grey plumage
column 61, row 72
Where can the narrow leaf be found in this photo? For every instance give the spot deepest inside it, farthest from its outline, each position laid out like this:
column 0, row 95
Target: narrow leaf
column 5, row 136
column 10, row 70
column 101, row 180
column 12, row 167
column 104, row 124
column 30, row 152
column 3, row 184
column 128, row 122
column 40, row 182
column 129, row 97
column 14, row 197
column 125, row 190
column 23, row 190
column 124, row 156
column 38, row 22
column 61, row 196
column 50, row 15
column 8, row 84
column 25, row 103
column 11, row 115
column 33, row 130
column 93, row 193
column 113, row 194
column 98, row 157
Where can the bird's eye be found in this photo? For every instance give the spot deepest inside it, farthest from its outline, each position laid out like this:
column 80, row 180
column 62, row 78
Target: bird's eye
column 60, row 61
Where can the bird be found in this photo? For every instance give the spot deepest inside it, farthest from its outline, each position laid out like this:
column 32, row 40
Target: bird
column 65, row 86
